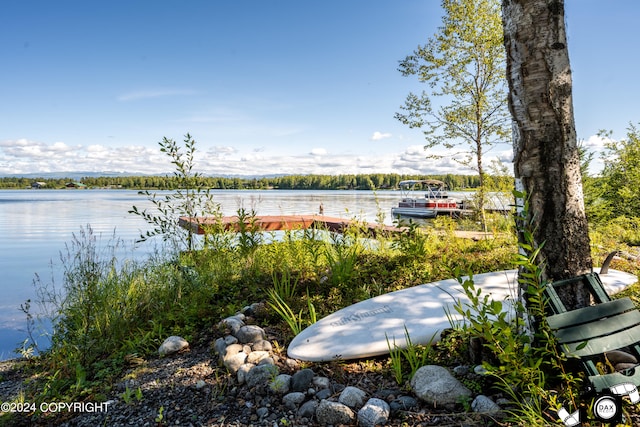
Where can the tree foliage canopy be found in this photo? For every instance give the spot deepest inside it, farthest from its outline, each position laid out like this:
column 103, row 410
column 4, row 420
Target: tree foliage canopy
column 464, row 66
column 621, row 174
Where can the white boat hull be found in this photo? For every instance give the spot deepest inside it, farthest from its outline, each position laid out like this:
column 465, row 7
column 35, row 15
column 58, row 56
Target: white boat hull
column 414, row 212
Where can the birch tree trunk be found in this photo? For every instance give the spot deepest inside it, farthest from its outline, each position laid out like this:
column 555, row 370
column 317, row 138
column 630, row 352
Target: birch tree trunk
column 546, row 158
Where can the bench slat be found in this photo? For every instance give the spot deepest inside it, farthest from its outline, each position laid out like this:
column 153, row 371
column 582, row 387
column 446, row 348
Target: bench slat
column 589, row 314
column 597, row 346
column 598, row 328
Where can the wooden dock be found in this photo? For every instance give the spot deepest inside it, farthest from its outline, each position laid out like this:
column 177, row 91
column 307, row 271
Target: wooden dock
column 302, row 222
column 284, row 222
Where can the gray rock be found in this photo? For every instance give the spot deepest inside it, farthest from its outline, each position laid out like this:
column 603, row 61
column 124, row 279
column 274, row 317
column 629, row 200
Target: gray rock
column 171, row 345
column 436, row 386
column 267, row 361
column 485, row 405
column 233, row 324
column 281, row 384
column 403, row 403
column 250, row 333
column 480, row 370
column 262, row 412
column 353, row 397
column 301, row 380
column 293, row 400
column 291, row 364
column 255, row 309
column 233, row 362
column 232, row 350
column 220, row 346
column 256, row 356
column 334, row 413
column 308, row 409
column 325, row 393
column 262, row 345
column 461, row 370
column 321, row 382
column 261, row 375
column 230, row 339
column 243, row 371
column 374, row 413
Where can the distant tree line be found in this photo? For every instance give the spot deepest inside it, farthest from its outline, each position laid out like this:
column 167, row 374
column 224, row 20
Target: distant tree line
column 376, row 181
column 21, row 182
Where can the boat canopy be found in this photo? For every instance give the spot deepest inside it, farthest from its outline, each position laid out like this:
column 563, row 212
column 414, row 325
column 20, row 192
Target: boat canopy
column 429, row 182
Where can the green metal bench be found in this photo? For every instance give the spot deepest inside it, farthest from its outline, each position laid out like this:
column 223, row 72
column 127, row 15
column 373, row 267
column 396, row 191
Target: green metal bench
column 588, row 333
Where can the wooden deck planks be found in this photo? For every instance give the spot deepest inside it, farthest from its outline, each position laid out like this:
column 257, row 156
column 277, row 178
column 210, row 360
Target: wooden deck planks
column 281, row 222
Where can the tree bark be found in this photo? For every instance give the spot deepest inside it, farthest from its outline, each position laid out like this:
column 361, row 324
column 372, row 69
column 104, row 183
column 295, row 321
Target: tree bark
column 546, row 157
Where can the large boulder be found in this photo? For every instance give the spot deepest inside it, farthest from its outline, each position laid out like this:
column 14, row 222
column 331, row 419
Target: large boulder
column 485, row 405
column 172, row 345
column 250, row 333
column 436, row 386
column 353, row 397
column 261, row 375
column 374, row 413
column 334, row 413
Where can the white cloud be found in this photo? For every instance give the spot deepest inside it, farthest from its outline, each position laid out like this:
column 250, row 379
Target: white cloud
column 96, row 148
column 379, row 135
column 60, row 147
column 15, row 143
column 220, row 151
column 505, row 156
column 596, row 142
column 25, row 156
column 414, row 150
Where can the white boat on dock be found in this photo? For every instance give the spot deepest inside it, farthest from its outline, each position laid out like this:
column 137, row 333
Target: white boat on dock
column 435, row 200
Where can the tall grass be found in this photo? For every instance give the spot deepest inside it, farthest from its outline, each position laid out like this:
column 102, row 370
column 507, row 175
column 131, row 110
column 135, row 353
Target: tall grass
column 107, row 309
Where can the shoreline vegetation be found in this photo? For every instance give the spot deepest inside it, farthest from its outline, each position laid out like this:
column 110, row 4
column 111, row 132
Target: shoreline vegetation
column 288, row 182
column 110, row 316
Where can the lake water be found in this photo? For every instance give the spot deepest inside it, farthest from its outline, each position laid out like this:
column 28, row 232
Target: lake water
column 35, row 225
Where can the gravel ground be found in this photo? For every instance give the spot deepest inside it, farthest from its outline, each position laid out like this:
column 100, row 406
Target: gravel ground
column 188, row 389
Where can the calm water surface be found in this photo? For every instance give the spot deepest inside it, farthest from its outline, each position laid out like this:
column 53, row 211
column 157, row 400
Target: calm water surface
column 35, row 225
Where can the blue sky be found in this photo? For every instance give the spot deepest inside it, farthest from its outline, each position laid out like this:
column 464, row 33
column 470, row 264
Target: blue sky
column 264, row 87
